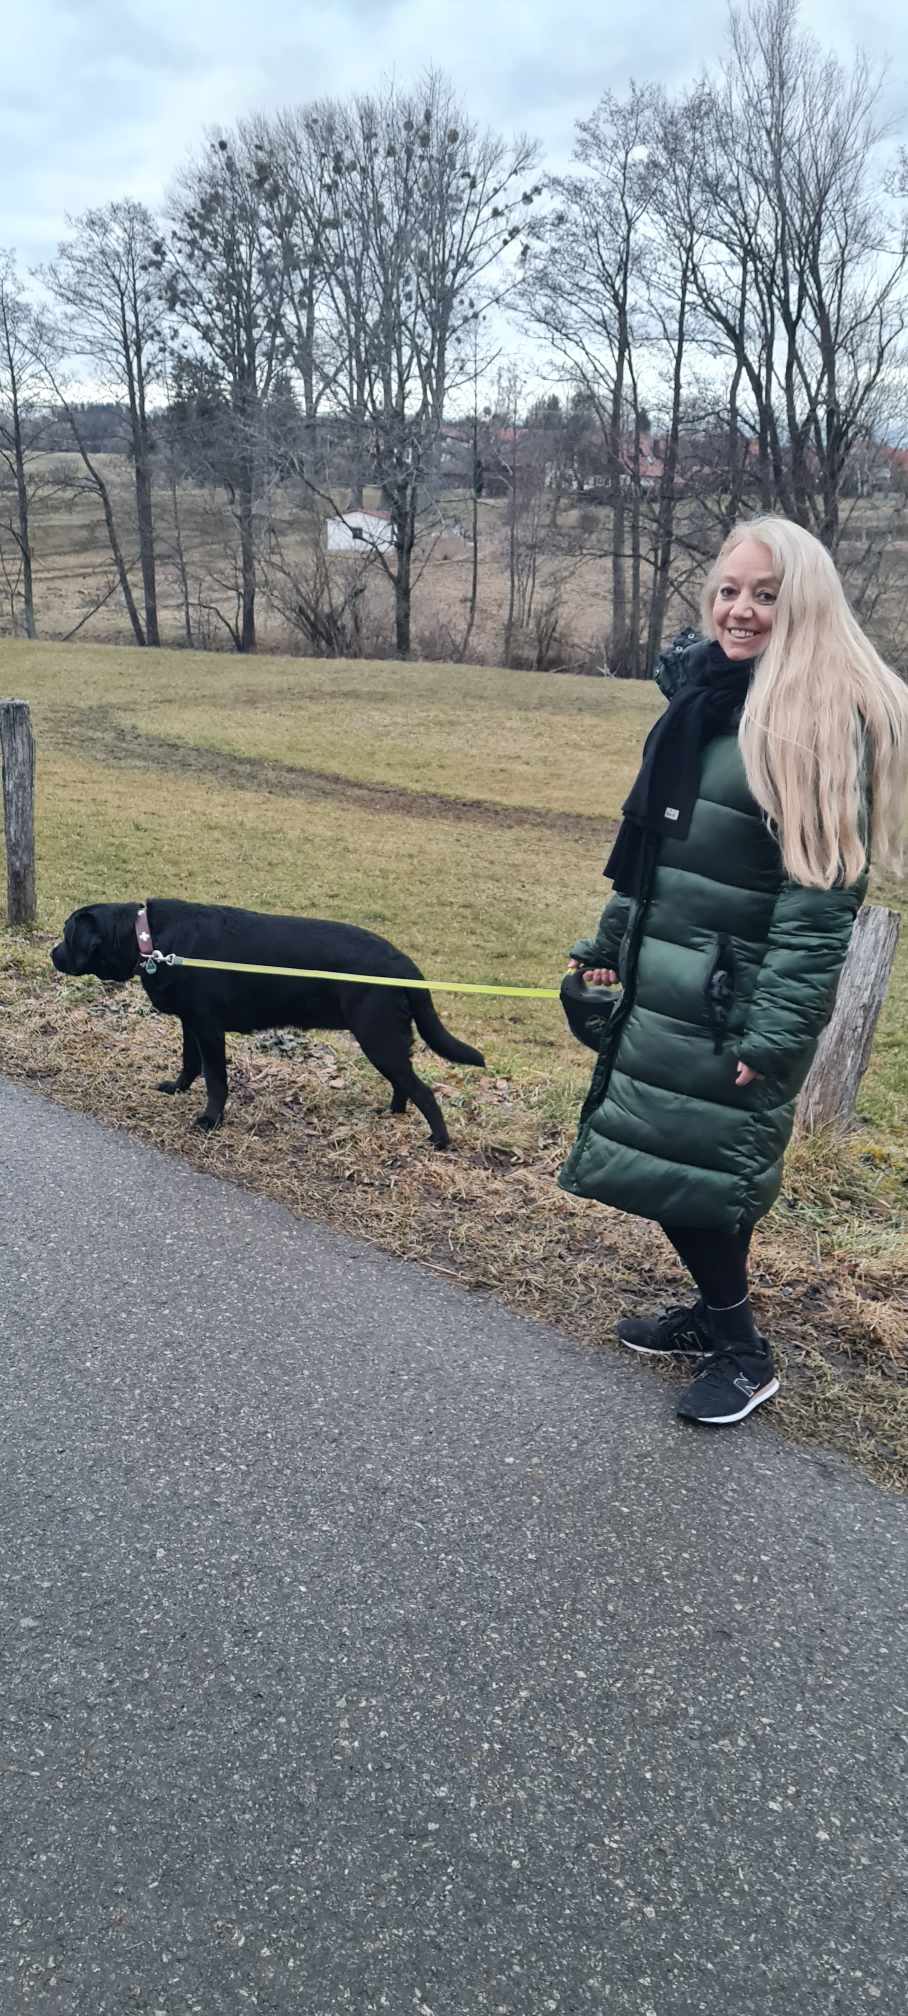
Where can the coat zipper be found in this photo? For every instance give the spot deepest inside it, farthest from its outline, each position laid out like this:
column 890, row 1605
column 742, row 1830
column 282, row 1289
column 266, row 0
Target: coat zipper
column 720, row 991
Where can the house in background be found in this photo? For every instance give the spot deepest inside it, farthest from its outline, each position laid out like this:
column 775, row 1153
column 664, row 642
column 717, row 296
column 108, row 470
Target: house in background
column 360, row 532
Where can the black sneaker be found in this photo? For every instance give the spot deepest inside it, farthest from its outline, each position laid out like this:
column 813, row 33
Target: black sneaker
column 728, row 1386
column 677, row 1333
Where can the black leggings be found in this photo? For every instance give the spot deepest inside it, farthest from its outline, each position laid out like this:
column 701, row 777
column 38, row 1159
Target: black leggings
column 717, row 1261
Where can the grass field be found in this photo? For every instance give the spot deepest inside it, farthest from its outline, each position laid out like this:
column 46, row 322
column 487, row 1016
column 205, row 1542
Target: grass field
column 464, row 813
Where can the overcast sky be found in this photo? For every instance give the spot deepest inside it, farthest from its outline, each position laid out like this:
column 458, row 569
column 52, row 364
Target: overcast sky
column 104, row 98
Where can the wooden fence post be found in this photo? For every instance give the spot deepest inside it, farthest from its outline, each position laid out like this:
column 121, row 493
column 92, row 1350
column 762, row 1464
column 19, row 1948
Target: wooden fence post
column 831, row 1087
column 17, row 748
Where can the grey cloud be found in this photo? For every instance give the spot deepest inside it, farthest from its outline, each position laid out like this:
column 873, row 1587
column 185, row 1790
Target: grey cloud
column 103, row 98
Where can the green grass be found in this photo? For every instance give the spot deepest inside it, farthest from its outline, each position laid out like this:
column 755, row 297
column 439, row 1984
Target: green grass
column 458, row 731
column 469, row 899
column 514, row 738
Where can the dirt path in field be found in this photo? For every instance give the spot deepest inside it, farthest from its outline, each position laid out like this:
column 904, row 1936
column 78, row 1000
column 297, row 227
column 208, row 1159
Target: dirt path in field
column 98, row 732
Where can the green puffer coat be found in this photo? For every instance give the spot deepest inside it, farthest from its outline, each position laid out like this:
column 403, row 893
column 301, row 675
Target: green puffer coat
column 723, row 958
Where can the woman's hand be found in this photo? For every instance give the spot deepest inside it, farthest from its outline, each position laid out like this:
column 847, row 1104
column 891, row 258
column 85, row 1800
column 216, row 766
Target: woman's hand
column 745, row 1076
column 594, row 976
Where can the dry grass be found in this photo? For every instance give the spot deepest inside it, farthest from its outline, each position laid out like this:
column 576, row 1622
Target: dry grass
column 483, row 859
column 73, row 563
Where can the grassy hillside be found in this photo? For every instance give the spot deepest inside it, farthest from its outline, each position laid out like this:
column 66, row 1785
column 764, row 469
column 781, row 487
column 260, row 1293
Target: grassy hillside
column 464, row 813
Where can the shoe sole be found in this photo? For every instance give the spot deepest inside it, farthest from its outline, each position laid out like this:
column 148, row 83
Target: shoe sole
column 727, row 1420
column 654, row 1351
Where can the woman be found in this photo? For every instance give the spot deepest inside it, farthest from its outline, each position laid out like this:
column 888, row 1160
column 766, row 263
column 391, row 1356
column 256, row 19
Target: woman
column 779, row 766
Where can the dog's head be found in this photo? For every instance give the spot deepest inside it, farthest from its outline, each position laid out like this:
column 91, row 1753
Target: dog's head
column 99, row 939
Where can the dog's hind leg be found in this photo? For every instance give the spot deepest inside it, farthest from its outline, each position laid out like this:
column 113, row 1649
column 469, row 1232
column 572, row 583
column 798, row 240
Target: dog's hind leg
column 191, row 1066
column 408, row 1086
column 385, row 1040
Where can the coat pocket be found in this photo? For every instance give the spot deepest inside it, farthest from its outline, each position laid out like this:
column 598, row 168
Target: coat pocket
column 720, row 989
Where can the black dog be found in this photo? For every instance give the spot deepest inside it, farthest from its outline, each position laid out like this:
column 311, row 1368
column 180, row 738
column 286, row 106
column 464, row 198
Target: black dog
column 105, row 939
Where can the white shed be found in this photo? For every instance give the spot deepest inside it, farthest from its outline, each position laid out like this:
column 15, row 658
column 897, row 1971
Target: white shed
column 360, row 532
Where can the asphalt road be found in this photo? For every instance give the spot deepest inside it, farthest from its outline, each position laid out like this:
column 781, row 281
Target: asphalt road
column 366, row 1648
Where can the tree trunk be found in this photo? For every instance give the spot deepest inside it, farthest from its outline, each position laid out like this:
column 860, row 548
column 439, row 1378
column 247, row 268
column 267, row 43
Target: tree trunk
column 146, row 549
column 141, row 454
column 25, row 546
column 512, row 566
column 402, row 603
column 17, row 747
column 314, row 459
column 618, row 639
column 110, row 522
column 181, row 563
column 665, row 512
column 474, row 535
column 359, row 447
column 831, row 1089
column 119, row 562
column 247, row 559
column 633, row 659
column 402, row 499
column 132, row 344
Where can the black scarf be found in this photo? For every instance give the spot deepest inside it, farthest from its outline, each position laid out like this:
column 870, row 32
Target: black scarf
column 664, row 793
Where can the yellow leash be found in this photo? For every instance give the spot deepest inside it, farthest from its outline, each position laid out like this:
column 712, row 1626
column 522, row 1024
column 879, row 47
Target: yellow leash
column 157, row 959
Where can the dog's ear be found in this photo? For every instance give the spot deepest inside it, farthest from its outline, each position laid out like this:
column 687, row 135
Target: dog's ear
column 83, row 939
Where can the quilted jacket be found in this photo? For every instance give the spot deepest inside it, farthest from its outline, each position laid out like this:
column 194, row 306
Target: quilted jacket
column 722, row 958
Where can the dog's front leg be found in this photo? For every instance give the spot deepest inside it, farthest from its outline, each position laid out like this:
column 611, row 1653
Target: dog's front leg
column 191, row 1066
column 214, row 1065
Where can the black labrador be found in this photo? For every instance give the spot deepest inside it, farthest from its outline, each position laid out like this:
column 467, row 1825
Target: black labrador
column 116, row 941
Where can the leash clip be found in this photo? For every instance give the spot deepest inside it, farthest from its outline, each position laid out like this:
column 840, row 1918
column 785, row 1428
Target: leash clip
column 156, row 959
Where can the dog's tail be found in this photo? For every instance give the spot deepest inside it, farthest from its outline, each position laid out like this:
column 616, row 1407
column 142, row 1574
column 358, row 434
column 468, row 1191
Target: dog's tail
column 433, row 1031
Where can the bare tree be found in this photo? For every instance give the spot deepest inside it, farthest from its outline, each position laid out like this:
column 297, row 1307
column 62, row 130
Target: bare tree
column 475, row 486
column 801, row 263
column 172, row 453
column 298, row 153
column 422, row 209
column 105, row 282
column 224, row 291
column 21, row 340
column 677, row 228
column 47, row 358
column 522, row 458
column 586, row 290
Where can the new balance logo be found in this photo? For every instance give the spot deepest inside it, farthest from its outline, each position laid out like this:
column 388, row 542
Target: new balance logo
column 747, row 1386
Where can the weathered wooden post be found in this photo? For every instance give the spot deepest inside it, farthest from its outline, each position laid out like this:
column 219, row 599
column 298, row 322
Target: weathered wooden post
column 17, row 749
column 831, row 1087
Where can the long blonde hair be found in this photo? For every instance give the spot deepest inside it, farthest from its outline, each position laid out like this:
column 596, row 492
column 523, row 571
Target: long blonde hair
column 826, row 721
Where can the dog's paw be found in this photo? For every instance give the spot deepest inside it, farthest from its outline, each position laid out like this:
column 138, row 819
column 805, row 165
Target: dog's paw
column 208, row 1122
column 168, row 1085
column 441, row 1147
